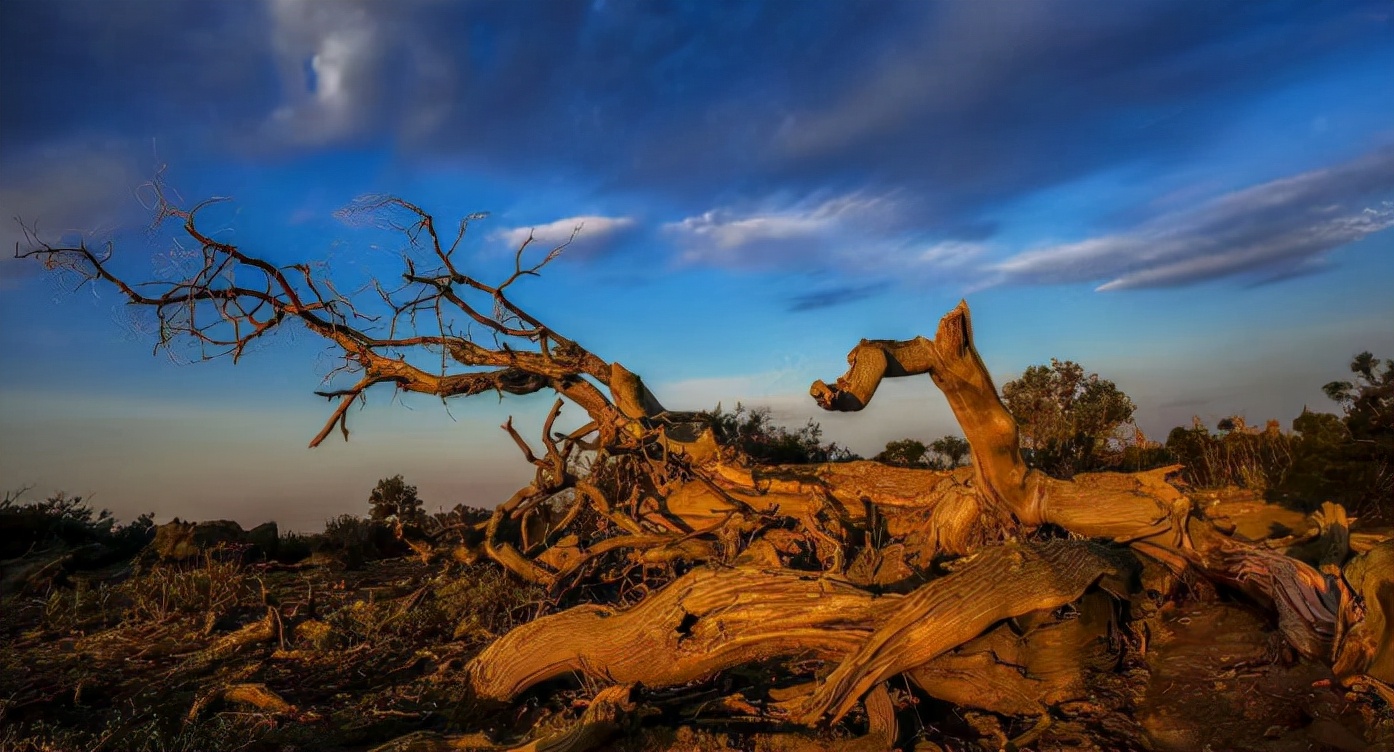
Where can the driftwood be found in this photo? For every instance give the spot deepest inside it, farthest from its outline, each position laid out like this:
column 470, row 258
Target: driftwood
column 856, row 572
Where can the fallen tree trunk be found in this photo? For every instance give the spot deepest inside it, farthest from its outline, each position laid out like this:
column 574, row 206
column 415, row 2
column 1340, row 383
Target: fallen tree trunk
column 713, row 619
column 706, row 621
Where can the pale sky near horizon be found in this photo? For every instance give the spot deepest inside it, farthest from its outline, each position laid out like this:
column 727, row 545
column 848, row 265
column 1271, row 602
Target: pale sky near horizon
column 1191, row 198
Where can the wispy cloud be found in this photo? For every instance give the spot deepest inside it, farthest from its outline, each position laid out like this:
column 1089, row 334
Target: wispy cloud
column 63, row 191
column 727, row 237
column 868, row 240
column 1274, row 230
column 808, row 232
column 351, row 69
column 835, row 296
column 589, row 234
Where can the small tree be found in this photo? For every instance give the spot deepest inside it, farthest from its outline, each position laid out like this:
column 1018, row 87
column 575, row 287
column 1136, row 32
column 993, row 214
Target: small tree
column 945, row 453
column 904, row 453
column 755, row 433
column 393, row 499
column 952, row 448
column 1067, row 418
column 1368, row 403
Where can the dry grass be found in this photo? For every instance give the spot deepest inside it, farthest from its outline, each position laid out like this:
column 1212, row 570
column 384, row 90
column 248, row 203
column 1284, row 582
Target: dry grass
column 118, row 660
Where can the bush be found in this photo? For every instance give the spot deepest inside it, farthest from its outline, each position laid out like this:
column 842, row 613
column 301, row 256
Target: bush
column 1070, row 421
column 1237, row 456
column 944, row 453
column 294, row 547
column 753, row 432
column 61, row 520
column 392, row 499
column 355, row 540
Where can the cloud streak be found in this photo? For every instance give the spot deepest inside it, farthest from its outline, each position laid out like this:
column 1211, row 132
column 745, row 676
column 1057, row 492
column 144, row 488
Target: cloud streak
column 63, row 192
column 870, row 241
column 809, row 231
column 1278, row 229
column 589, row 234
column 835, row 296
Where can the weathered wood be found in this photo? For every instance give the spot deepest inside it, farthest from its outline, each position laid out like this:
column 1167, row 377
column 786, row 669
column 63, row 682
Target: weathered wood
column 998, row 583
column 953, row 363
column 1364, row 649
column 708, row 620
column 1025, row 674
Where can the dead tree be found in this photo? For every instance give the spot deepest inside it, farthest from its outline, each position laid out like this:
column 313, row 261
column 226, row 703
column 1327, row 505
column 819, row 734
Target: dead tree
column 845, row 575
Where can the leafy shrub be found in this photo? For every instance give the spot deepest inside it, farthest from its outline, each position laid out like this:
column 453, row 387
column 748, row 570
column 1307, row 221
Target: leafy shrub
column 753, row 432
column 294, row 547
column 1236, row 456
column 1069, row 420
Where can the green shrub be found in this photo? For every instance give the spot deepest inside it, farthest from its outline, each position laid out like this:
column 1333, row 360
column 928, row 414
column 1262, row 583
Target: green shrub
column 1236, row 456
column 753, row 432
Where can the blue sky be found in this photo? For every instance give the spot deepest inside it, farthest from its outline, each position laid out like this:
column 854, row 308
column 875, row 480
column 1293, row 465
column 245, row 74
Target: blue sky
column 1192, row 199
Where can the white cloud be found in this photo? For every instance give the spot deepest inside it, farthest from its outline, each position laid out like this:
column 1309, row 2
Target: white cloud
column 858, row 236
column 812, row 233
column 949, row 254
column 728, row 230
column 353, row 67
column 343, row 45
column 591, row 232
column 1269, row 231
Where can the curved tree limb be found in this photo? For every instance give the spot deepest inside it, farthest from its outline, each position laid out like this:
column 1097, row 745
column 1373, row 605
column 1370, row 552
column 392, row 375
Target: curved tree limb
column 956, row 368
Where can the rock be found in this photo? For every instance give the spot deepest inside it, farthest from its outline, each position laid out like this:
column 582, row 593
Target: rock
column 266, row 537
column 181, row 541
